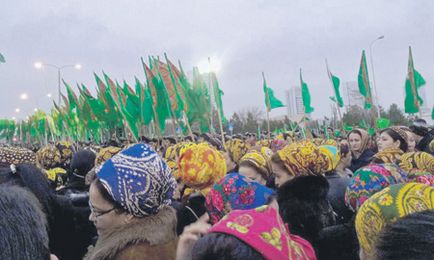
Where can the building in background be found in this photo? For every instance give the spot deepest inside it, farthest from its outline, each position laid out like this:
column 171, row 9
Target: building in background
column 294, row 103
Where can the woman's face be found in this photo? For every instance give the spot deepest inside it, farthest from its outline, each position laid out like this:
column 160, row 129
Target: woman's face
column 230, row 165
column 102, row 213
column 280, row 175
column 385, row 141
column 411, row 141
column 355, row 141
column 252, row 174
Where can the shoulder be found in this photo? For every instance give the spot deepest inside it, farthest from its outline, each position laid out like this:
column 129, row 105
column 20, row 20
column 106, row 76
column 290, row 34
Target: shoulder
column 143, row 250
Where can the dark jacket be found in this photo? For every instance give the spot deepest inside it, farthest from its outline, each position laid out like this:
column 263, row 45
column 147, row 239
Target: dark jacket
column 151, row 237
column 336, row 196
column 363, row 160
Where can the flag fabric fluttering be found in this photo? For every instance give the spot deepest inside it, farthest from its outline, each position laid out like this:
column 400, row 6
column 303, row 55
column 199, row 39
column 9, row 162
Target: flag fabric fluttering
column 271, row 102
column 305, row 95
column 363, row 82
column 336, row 83
column 2, row 58
column 413, row 82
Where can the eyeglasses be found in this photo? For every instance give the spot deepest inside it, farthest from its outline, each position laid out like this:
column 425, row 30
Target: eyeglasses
column 98, row 213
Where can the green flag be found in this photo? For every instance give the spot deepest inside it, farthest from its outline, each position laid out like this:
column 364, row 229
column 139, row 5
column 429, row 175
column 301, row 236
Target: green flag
column 2, row 58
column 145, row 102
column 305, row 95
column 270, row 100
column 336, row 83
column 363, row 82
column 413, row 82
column 432, row 113
column 218, row 93
column 72, row 97
column 383, row 123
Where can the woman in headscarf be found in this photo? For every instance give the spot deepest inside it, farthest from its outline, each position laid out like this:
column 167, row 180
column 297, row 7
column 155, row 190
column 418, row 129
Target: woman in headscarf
column 235, row 150
column 256, row 166
column 386, row 207
column 16, row 155
column 392, row 138
column 369, row 180
column 411, row 141
column 244, row 234
column 419, row 167
column 361, row 154
column 130, row 206
column 296, row 159
column 235, row 191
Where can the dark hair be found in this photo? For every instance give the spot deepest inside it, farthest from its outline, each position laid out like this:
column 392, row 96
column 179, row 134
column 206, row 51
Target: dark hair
column 106, row 196
column 410, row 237
column 303, row 205
column 344, row 149
column 23, row 227
column 82, row 162
column 30, row 177
column 275, row 158
column 396, row 137
column 223, row 246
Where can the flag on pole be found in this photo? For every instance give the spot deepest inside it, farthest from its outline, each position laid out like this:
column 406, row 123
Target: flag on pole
column 218, row 93
column 363, row 81
column 2, row 58
column 413, row 82
column 305, row 95
column 270, row 100
column 336, row 83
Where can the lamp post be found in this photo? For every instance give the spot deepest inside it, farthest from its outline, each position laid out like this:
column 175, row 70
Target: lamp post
column 373, row 73
column 40, row 65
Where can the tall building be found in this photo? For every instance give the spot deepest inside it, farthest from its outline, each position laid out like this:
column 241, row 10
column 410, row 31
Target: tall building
column 294, row 102
column 351, row 95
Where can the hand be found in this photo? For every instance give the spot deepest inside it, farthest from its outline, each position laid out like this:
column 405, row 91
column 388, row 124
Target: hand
column 190, row 235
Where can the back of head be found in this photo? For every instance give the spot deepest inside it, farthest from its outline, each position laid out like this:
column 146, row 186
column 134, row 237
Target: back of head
column 23, row 227
column 410, row 237
column 82, row 162
column 223, row 246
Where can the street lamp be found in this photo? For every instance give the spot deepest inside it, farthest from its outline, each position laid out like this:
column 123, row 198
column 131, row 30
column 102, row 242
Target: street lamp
column 373, row 73
column 40, row 65
column 24, row 96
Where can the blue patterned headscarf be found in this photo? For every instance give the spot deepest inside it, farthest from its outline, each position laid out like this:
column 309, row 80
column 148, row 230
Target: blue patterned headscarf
column 235, row 191
column 138, row 179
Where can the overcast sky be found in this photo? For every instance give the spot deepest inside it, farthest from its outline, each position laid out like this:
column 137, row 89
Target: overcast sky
column 246, row 37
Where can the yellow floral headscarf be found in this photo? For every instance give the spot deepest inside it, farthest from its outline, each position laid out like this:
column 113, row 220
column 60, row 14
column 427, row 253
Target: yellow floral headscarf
column 200, row 166
column 261, row 162
column 106, row 153
column 386, row 206
column 413, row 162
column 332, row 155
column 388, row 155
column 304, row 158
column 236, row 149
column 49, row 157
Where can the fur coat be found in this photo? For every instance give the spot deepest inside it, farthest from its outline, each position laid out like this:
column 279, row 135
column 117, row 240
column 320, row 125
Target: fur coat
column 152, row 237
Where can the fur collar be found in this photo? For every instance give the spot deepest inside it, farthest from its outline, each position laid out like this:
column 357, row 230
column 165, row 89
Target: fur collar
column 153, row 230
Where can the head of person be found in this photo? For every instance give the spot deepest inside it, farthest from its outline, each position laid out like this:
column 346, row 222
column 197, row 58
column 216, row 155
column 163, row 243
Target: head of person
column 256, row 167
column 200, row 166
column 358, row 140
column 392, row 137
column 235, row 150
column 298, row 159
column 411, row 140
column 370, row 179
column 417, row 162
column 415, row 231
column 23, row 226
column 303, row 205
column 235, row 191
column 388, row 155
column 252, row 234
column 419, row 129
column 332, row 155
column 82, row 162
column 133, row 184
column 386, row 207
column 16, row 155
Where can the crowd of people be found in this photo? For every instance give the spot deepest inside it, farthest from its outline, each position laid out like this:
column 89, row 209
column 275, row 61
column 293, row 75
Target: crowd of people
column 351, row 196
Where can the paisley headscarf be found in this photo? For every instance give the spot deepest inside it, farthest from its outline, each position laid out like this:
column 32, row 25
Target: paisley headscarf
column 49, row 157
column 388, row 205
column 370, row 179
column 413, row 162
column 106, row 153
column 66, row 150
column 263, row 229
column 138, row 179
column 200, row 166
column 235, row 191
column 304, row 158
column 388, row 155
column 236, row 149
column 259, row 161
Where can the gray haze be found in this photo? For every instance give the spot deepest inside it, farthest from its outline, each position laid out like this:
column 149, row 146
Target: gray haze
column 248, row 37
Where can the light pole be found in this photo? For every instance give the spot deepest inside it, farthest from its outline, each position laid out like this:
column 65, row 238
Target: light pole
column 373, row 73
column 40, row 65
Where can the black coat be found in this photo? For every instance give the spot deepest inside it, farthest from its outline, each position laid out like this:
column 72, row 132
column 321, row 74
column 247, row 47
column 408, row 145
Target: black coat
column 363, row 160
column 70, row 230
column 336, row 196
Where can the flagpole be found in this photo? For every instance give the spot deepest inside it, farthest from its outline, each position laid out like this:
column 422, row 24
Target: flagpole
column 268, row 111
column 337, row 102
column 212, row 96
